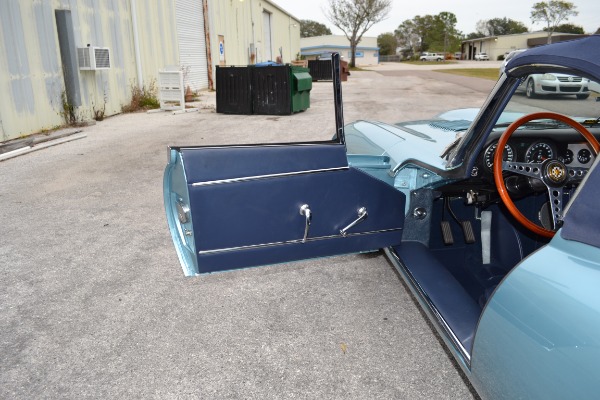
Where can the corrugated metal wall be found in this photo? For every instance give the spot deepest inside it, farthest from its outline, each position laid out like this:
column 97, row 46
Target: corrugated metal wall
column 31, row 78
column 189, row 17
column 241, row 25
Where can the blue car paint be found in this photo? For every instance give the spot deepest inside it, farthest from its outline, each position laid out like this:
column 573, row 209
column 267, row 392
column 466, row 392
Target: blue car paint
column 174, row 191
column 538, row 337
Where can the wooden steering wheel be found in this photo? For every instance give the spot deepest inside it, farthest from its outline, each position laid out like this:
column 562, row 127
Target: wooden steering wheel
column 552, row 172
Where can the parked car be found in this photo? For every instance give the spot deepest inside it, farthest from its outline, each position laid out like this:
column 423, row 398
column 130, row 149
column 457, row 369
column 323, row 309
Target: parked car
column 458, row 55
column 500, row 248
column 431, row 57
column 555, row 84
column 481, row 57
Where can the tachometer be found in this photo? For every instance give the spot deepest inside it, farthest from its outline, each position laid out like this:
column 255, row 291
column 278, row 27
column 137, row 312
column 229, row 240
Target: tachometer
column 488, row 156
column 539, row 152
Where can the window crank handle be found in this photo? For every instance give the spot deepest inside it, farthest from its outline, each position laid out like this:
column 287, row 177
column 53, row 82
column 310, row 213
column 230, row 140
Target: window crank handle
column 362, row 215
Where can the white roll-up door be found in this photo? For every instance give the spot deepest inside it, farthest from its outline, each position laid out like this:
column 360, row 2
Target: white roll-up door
column 189, row 17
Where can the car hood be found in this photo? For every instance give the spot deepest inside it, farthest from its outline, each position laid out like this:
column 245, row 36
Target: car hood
column 422, row 140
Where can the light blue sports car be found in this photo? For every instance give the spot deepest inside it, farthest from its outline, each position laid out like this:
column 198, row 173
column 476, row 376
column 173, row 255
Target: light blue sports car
column 500, row 247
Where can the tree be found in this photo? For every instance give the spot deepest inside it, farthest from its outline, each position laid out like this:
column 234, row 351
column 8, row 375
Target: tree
column 310, row 28
column 569, row 28
column 500, row 26
column 435, row 32
column 387, row 44
column 552, row 13
column 355, row 17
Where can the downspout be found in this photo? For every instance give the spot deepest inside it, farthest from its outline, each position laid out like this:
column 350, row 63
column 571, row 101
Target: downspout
column 208, row 48
column 136, row 44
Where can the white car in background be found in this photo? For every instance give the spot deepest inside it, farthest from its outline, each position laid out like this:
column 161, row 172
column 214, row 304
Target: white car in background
column 555, row 84
column 550, row 83
column 482, row 57
column 431, row 57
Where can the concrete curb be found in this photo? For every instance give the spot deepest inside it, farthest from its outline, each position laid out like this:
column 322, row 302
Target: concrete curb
column 42, row 145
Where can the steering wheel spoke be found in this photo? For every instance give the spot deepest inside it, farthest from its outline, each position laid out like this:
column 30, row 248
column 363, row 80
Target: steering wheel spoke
column 532, row 170
column 556, row 206
column 576, row 174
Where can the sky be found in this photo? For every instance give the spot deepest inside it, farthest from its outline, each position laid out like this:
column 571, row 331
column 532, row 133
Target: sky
column 467, row 12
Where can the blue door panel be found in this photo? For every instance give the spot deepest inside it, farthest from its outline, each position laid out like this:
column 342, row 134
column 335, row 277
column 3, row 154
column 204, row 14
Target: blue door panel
column 218, row 163
column 268, row 210
column 250, row 215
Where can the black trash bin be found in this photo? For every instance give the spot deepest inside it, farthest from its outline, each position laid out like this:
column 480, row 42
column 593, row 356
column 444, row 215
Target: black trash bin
column 320, row 70
column 263, row 89
column 271, row 90
column 234, row 90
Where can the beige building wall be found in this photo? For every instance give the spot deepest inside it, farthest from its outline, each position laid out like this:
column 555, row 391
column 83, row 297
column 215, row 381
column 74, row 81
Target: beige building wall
column 367, row 50
column 31, row 69
column 242, row 29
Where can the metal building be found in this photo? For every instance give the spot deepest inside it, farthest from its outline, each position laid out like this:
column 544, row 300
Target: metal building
column 77, row 57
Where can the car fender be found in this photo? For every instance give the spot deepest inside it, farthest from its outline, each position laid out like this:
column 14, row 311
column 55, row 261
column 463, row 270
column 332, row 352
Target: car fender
column 538, row 335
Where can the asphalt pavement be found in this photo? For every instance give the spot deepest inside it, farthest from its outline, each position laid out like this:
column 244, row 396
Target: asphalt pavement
column 93, row 303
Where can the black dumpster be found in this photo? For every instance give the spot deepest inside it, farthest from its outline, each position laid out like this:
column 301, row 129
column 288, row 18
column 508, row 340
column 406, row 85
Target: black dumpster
column 265, row 90
column 234, row 90
column 320, row 70
column 271, row 91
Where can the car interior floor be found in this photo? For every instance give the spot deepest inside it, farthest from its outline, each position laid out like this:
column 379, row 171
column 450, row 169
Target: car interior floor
column 468, row 251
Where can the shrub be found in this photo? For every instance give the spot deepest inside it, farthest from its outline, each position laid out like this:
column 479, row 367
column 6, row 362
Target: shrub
column 143, row 98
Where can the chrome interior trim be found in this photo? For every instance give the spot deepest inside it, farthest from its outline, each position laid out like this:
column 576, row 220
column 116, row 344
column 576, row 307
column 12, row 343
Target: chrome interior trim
column 438, row 319
column 257, row 177
column 296, row 241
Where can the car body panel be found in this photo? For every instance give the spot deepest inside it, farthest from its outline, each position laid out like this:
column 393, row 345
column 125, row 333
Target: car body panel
column 544, row 318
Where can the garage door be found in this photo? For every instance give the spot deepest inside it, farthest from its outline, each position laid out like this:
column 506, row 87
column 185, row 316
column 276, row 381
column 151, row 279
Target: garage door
column 189, row 18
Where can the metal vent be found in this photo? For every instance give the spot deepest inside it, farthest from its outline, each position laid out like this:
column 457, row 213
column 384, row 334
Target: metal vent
column 102, row 56
column 83, row 58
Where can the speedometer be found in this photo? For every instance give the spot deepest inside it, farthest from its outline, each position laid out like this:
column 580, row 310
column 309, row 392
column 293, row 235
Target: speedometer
column 488, row 156
column 539, row 152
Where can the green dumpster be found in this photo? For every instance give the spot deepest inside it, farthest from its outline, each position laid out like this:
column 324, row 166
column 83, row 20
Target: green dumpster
column 301, row 86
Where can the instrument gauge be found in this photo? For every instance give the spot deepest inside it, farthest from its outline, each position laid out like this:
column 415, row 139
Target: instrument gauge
column 488, row 156
column 584, row 156
column 539, row 152
column 568, row 158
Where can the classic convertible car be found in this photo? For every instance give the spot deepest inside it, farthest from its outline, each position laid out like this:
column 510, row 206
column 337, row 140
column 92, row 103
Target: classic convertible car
column 501, row 248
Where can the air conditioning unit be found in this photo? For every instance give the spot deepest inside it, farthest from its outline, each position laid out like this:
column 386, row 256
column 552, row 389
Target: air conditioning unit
column 93, row 58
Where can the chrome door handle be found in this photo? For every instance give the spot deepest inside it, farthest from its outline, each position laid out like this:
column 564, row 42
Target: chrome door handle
column 305, row 210
column 362, row 215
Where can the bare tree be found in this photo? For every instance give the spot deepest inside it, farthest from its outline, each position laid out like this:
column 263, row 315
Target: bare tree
column 355, row 17
column 552, row 13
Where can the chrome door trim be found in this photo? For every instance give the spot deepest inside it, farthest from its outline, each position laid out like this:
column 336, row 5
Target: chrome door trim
column 439, row 321
column 295, row 241
column 268, row 176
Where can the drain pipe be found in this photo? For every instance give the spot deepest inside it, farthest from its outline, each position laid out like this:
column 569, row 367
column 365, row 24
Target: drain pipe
column 207, row 26
column 136, row 44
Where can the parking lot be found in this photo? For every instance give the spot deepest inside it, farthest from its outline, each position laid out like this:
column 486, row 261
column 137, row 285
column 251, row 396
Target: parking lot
column 93, row 303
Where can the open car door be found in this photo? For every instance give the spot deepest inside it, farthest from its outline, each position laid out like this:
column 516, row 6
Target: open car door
column 231, row 207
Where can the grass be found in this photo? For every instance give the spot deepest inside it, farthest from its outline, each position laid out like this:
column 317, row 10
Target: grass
column 358, row 69
column 445, row 62
column 485, row 73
